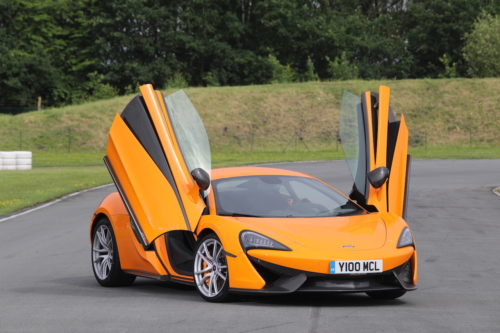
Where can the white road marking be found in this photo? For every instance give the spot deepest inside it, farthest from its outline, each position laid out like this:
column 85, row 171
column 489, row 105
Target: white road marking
column 50, row 203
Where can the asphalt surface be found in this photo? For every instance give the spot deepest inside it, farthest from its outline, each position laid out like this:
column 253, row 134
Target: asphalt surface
column 47, row 284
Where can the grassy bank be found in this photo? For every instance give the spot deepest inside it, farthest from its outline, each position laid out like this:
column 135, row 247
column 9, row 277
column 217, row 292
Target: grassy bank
column 20, row 189
column 270, row 118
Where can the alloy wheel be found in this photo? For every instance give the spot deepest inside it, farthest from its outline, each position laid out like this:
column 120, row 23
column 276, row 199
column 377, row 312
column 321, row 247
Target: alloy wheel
column 210, row 268
column 102, row 252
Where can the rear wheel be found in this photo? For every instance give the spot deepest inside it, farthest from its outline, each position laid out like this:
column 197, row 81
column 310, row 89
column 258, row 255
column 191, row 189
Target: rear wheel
column 210, row 270
column 105, row 260
column 386, row 294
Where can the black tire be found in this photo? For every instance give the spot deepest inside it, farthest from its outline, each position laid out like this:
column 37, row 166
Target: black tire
column 386, row 294
column 222, row 294
column 112, row 275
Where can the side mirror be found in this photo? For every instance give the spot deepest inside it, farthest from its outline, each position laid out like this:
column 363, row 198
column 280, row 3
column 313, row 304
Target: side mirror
column 202, row 178
column 378, row 176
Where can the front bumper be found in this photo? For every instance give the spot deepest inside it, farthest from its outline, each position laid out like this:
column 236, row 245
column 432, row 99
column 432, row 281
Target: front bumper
column 283, row 280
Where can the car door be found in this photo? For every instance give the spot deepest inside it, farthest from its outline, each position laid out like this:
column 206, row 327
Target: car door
column 371, row 139
column 152, row 148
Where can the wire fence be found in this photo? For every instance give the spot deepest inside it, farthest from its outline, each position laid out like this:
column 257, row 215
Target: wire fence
column 68, row 140
column 14, row 110
column 76, row 139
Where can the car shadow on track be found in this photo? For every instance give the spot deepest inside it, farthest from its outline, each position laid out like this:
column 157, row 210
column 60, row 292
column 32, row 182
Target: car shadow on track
column 318, row 299
column 86, row 286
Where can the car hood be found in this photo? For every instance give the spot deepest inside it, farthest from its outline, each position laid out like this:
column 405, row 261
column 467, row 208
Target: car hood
column 360, row 232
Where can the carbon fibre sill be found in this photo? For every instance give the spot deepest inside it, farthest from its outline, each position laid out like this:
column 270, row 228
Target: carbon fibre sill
column 165, row 278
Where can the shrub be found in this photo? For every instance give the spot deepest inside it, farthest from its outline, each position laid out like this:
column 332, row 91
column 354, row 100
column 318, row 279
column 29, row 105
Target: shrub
column 482, row 47
column 309, row 75
column 177, row 80
column 281, row 73
column 341, row 69
column 93, row 90
column 449, row 71
column 210, row 80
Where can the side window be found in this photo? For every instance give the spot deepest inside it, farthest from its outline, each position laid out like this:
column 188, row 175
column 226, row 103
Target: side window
column 306, row 192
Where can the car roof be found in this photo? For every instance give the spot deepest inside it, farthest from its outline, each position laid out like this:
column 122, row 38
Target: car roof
column 253, row 171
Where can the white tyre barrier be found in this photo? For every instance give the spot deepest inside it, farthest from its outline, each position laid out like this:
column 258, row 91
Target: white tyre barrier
column 8, row 161
column 24, row 154
column 23, row 161
column 23, row 167
column 7, row 155
column 16, row 160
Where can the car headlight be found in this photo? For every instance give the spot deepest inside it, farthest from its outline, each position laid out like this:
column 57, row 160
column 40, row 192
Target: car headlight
column 252, row 240
column 406, row 238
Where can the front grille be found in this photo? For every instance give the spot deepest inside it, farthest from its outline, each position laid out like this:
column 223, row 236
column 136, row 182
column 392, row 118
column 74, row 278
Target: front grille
column 274, row 275
column 406, row 273
column 350, row 283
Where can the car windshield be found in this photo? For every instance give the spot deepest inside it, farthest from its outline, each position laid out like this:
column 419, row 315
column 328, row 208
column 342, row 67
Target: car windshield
column 279, row 196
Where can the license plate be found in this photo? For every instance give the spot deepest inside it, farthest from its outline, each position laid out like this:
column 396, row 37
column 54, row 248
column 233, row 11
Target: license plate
column 356, row 267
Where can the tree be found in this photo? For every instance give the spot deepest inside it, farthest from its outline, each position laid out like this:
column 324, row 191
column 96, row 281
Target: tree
column 27, row 68
column 482, row 47
column 46, row 50
column 437, row 27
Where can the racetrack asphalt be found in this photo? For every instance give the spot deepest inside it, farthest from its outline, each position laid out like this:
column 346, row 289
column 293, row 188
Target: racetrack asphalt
column 47, row 284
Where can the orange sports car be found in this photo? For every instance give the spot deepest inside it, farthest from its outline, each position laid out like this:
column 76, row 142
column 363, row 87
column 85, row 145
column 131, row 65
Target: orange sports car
column 251, row 229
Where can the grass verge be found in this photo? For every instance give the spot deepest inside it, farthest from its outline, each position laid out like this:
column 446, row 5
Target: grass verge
column 67, row 160
column 224, row 159
column 461, row 152
column 20, row 189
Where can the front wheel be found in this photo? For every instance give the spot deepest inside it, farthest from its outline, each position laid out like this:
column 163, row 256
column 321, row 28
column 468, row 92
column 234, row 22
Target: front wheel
column 105, row 261
column 386, row 294
column 210, row 270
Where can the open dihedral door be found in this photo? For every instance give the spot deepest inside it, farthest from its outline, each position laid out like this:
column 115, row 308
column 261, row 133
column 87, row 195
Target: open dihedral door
column 152, row 148
column 372, row 139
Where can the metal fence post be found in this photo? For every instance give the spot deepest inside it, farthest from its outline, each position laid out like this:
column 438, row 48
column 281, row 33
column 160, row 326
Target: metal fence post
column 425, row 140
column 251, row 144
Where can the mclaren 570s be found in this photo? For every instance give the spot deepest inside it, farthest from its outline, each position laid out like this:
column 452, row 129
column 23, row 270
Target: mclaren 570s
column 253, row 230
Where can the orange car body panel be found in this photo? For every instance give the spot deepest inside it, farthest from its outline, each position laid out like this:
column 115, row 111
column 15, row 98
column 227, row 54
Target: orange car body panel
column 188, row 190
column 378, row 197
column 132, row 254
column 157, row 211
column 397, row 180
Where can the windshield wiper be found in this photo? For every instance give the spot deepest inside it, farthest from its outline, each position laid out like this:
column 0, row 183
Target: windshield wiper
column 337, row 212
column 240, row 215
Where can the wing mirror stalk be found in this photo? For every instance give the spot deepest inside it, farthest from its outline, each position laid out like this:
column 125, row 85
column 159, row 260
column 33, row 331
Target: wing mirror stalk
column 378, row 177
column 202, row 178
